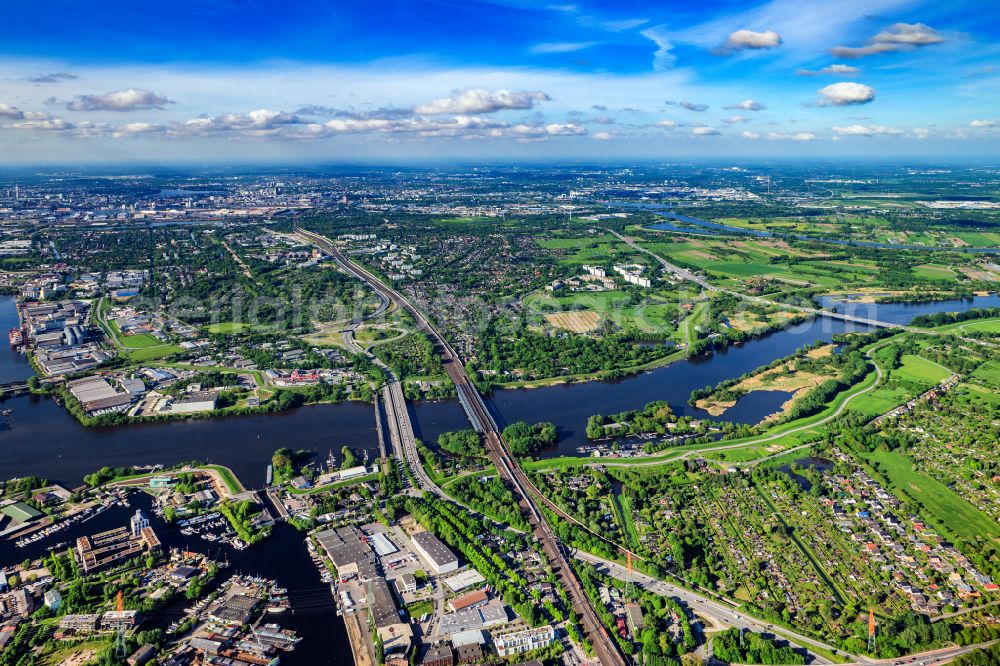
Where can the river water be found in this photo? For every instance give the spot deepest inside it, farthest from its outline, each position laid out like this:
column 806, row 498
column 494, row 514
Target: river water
column 715, row 228
column 46, row 441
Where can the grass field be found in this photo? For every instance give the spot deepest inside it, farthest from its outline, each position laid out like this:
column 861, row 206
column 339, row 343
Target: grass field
column 419, row 608
column 989, row 373
column 151, row 353
column 738, row 260
column 988, row 326
column 145, row 347
column 917, row 368
column 228, row 328
column 589, row 249
column 72, row 655
column 945, row 506
column 688, row 330
column 140, row 341
column 934, row 272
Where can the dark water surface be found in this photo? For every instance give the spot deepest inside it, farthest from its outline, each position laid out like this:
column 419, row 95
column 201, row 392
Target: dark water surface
column 282, row 557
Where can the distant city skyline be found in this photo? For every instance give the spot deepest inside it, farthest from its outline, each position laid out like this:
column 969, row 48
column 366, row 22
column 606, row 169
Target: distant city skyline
column 498, row 80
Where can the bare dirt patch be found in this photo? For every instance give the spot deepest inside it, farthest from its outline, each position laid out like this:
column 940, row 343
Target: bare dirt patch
column 977, row 274
column 821, row 352
column 580, row 321
column 698, row 254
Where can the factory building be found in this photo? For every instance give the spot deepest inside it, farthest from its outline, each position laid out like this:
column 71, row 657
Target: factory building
column 435, row 553
column 350, row 554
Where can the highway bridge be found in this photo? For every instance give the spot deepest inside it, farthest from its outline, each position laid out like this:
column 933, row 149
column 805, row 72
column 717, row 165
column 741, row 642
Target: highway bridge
column 605, row 648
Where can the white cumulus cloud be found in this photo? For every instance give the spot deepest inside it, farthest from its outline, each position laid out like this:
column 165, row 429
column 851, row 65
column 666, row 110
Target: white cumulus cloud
column 8, row 111
column 746, row 105
column 748, row 39
column 704, row 131
column 46, row 125
column 846, row 93
column 867, row 130
column 130, row 99
column 690, row 106
column 974, row 123
column 796, row 136
column 137, row 129
column 478, row 100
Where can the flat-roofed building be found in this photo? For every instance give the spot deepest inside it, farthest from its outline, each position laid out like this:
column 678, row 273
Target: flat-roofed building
column 352, row 472
column 382, row 545
column 490, row 615
column 436, row 554
column 463, row 580
column 406, row 583
column 635, row 619
column 124, row 619
column 346, row 548
column 524, row 641
column 141, row 656
column 191, row 403
column 97, row 396
column 471, row 637
column 236, row 610
column 114, row 547
column 19, row 512
column 81, row 624
column 394, row 632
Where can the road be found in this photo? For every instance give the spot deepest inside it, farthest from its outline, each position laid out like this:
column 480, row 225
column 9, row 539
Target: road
column 706, row 605
column 402, row 437
column 605, row 647
column 726, row 612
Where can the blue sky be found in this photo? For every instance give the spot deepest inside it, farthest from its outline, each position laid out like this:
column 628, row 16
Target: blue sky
column 502, row 79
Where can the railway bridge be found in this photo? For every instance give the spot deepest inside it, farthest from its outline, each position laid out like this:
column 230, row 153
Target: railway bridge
column 605, row 648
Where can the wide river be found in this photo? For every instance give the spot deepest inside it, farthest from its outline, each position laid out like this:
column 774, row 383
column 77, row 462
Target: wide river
column 44, row 440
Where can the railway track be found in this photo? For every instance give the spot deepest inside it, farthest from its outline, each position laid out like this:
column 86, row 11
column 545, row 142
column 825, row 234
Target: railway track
column 604, row 646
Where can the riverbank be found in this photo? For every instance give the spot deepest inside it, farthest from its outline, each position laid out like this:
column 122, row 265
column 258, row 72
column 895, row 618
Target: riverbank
column 361, row 646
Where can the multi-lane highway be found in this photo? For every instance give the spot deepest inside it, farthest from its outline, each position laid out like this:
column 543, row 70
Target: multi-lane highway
column 605, row 647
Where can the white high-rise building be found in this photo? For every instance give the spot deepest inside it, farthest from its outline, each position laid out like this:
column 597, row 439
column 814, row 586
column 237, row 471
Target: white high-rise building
column 138, row 522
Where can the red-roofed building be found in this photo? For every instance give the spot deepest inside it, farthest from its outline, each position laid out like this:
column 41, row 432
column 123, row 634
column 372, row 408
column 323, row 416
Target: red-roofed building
column 470, row 600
